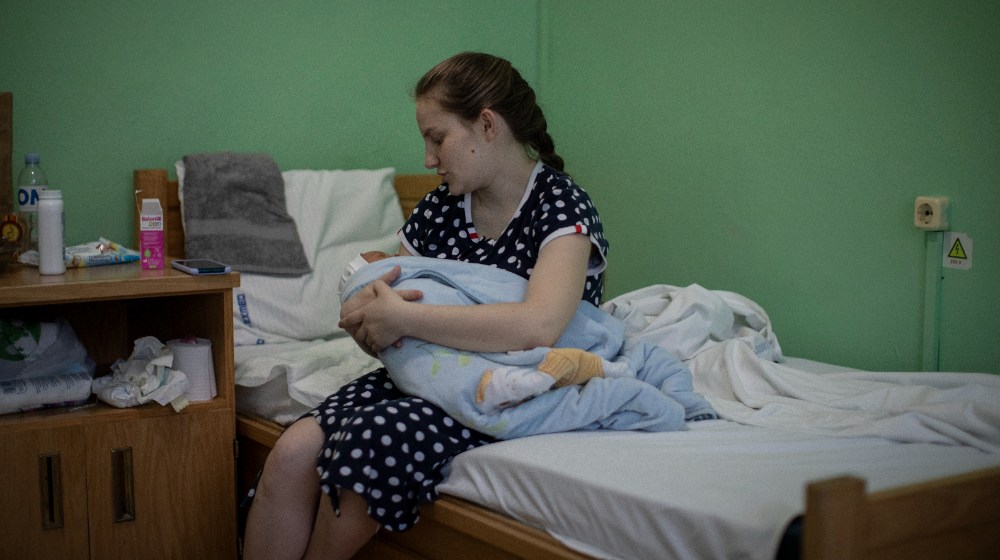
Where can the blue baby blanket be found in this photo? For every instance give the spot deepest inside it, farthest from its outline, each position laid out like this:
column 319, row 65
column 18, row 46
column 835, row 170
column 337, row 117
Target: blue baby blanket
column 657, row 394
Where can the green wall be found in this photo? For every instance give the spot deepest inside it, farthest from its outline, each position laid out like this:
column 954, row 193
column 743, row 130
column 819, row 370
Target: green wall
column 771, row 148
column 103, row 87
column 776, row 148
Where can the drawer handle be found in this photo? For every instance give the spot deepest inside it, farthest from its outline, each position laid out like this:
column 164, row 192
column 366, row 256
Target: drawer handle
column 50, row 484
column 122, row 485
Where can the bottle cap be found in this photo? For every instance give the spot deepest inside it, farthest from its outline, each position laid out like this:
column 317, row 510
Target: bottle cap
column 31, row 158
column 49, row 194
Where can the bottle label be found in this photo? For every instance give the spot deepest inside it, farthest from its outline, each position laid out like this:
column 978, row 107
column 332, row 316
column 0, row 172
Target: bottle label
column 27, row 198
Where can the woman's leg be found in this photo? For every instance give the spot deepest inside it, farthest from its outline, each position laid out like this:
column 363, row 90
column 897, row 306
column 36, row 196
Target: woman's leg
column 283, row 512
column 335, row 538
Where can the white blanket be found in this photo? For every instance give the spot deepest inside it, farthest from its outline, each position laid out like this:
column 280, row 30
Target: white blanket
column 729, row 345
column 687, row 320
column 946, row 408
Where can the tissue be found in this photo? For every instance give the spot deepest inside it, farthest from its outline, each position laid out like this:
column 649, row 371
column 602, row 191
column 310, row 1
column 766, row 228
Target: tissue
column 147, row 375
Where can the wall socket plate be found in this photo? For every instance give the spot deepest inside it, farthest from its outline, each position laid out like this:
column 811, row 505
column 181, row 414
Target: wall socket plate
column 931, row 213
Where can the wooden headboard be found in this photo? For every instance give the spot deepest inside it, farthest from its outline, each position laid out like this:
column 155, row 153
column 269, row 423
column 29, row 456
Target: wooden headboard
column 154, row 183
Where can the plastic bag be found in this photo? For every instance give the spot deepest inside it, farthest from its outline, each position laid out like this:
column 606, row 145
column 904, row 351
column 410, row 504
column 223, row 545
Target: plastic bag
column 36, row 349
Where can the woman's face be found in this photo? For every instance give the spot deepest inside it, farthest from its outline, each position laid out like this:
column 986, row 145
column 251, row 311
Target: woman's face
column 451, row 146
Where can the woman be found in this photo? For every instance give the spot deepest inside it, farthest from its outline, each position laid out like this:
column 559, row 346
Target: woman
column 381, row 452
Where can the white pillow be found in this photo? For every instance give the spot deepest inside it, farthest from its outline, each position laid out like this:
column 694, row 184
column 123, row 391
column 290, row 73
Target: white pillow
column 339, row 214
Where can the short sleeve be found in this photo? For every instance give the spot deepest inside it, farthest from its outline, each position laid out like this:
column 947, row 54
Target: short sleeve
column 566, row 210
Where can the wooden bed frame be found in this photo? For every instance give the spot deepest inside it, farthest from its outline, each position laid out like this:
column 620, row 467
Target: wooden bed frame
column 954, row 517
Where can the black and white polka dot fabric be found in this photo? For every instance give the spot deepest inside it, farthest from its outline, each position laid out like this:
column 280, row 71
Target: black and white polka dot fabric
column 553, row 205
column 387, row 447
column 391, row 448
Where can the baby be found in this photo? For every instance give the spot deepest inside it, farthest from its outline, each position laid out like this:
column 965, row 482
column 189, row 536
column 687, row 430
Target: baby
column 504, row 385
column 593, row 378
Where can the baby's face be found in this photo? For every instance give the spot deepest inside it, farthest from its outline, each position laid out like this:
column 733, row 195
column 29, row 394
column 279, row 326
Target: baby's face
column 372, row 256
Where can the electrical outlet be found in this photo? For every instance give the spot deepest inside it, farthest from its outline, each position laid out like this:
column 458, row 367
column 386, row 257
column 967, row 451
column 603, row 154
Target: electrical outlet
column 931, row 213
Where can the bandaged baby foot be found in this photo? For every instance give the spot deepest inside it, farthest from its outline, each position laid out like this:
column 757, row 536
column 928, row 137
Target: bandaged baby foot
column 572, row 366
column 507, row 386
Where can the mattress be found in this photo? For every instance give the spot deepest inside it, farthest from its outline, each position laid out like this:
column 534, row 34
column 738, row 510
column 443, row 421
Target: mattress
column 718, row 490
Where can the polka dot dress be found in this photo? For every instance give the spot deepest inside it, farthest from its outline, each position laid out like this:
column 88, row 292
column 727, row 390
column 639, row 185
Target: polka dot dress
column 387, row 447
column 391, row 448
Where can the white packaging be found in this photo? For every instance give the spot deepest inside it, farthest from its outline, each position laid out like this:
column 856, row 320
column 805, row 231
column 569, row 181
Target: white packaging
column 64, row 389
column 51, row 248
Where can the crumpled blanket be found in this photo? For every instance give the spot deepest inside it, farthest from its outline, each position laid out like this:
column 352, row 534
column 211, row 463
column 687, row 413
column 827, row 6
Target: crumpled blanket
column 658, row 398
column 235, row 213
column 687, row 320
column 915, row 407
column 730, row 346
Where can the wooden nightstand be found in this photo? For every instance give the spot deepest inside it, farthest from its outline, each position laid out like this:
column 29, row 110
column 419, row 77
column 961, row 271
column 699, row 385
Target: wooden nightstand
column 101, row 482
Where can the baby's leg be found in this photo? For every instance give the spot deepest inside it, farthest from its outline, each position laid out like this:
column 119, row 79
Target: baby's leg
column 506, row 386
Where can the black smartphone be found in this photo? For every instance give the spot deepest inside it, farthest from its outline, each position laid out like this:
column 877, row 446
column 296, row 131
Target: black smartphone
column 200, row 266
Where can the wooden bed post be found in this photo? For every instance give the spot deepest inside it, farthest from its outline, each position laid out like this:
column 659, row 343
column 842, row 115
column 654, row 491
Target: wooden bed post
column 834, row 511
column 956, row 517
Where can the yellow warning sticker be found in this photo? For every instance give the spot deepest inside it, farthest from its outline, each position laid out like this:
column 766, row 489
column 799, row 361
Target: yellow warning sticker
column 957, row 251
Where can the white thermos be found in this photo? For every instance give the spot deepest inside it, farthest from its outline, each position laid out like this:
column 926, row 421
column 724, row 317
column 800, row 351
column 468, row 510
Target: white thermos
column 51, row 247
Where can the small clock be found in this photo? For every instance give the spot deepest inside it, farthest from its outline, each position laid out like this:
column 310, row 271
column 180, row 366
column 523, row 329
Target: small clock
column 10, row 229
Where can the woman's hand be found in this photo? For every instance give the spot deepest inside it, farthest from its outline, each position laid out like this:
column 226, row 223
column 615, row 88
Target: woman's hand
column 373, row 316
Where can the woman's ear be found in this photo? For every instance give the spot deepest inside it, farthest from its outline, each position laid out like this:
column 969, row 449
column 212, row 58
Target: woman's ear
column 489, row 123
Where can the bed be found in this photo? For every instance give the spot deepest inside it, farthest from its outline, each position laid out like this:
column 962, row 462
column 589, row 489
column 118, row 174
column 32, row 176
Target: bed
column 920, row 482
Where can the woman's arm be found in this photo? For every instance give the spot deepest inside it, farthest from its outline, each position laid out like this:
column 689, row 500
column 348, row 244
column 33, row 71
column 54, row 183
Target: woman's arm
column 551, row 299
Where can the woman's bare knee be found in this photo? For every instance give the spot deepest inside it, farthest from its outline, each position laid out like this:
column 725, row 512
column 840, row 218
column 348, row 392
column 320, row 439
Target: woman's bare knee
column 292, row 461
column 298, row 445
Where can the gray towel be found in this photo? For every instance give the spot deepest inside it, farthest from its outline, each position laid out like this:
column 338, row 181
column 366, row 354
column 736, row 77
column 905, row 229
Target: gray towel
column 235, row 213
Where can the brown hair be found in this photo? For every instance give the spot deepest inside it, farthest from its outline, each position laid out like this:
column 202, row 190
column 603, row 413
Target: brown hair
column 467, row 83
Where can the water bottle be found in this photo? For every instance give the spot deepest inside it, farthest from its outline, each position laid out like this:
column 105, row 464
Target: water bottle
column 30, row 183
column 51, row 246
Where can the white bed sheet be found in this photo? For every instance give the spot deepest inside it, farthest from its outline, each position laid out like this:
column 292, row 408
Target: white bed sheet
column 719, row 490
column 282, row 381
